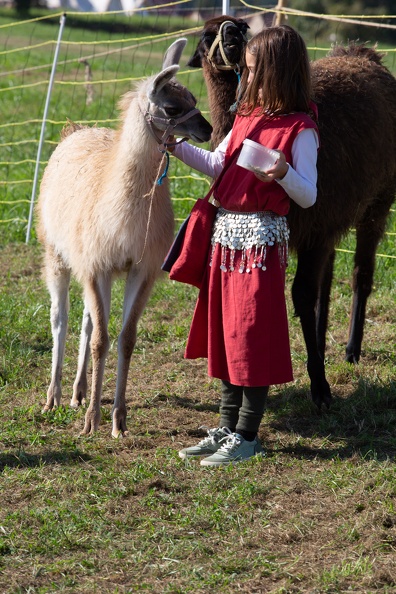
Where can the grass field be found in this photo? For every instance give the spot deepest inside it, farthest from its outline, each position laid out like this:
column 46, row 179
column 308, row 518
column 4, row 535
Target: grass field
column 91, row 515
column 317, row 514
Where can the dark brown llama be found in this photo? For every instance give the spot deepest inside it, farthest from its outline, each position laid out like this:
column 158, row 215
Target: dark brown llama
column 356, row 99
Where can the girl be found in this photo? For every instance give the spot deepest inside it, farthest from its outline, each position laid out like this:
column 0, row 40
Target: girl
column 240, row 320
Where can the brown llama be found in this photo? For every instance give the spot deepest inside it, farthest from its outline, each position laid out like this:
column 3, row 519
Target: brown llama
column 223, row 37
column 356, row 99
column 102, row 213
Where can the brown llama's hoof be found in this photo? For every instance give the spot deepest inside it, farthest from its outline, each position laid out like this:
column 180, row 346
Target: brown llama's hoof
column 352, row 358
column 320, row 403
column 327, row 400
column 322, row 397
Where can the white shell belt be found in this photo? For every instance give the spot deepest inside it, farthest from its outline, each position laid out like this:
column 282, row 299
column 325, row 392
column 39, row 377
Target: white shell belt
column 251, row 233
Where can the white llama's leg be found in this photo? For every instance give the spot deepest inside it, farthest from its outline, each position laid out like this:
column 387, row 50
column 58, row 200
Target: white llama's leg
column 58, row 280
column 97, row 299
column 137, row 291
column 80, row 386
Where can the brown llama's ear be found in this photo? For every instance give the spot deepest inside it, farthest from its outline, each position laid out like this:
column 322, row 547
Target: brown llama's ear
column 243, row 26
column 196, row 60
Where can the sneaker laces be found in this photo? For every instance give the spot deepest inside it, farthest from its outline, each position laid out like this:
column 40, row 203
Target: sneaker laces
column 231, row 443
column 212, row 434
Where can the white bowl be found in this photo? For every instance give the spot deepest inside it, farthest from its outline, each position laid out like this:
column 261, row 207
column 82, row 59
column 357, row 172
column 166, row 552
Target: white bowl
column 256, row 157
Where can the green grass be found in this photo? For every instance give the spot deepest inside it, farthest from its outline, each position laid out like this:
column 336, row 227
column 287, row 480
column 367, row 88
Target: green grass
column 102, row 515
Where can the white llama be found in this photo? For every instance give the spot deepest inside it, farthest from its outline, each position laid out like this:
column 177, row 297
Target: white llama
column 102, row 214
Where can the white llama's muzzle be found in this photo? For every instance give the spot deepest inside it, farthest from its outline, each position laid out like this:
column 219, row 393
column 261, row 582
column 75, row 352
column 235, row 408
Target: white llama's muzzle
column 170, row 124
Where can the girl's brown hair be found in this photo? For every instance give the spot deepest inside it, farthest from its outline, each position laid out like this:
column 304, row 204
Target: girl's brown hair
column 282, row 73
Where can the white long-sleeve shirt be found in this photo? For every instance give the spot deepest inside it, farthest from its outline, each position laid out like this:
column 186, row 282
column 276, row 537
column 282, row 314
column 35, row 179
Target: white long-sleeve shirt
column 299, row 182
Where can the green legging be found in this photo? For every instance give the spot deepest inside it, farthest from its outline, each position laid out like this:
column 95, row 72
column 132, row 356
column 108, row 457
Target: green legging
column 242, row 408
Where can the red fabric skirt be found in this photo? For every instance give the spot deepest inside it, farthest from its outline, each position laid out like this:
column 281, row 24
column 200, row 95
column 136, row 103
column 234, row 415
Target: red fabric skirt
column 240, row 323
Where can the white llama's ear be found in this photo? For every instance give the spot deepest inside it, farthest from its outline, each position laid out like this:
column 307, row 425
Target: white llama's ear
column 173, row 53
column 161, row 79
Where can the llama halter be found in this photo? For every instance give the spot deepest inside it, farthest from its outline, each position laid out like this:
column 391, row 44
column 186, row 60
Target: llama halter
column 218, row 41
column 170, row 124
column 227, row 64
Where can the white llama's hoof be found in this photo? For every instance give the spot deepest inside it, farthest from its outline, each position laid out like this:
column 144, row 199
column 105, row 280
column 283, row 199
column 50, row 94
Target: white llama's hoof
column 47, row 407
column 117, row 433
column 75, row 405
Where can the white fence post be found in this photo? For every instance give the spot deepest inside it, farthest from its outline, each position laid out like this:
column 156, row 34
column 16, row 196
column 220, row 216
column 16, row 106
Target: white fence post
column 226, row 6
column 43, row 124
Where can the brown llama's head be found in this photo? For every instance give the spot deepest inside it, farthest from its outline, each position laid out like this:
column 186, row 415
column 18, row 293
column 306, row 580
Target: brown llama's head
column 222, row 44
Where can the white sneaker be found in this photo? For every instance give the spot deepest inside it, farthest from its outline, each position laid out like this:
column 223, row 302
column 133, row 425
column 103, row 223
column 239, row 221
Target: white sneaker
column 207, row 445
column 234, row 448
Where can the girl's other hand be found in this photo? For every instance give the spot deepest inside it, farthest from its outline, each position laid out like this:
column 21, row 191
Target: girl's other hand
column 278, row 171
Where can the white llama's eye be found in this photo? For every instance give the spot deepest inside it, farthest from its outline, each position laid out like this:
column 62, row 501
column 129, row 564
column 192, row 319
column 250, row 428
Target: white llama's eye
column 172, row 112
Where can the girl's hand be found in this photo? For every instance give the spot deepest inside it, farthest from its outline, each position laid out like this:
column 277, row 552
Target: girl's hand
column 278, row 171
column 171, row 140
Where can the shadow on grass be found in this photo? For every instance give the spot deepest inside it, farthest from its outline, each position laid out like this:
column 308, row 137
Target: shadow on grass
column 22, row 459
column 193, row 404
column 364, row 422
column 190, row 403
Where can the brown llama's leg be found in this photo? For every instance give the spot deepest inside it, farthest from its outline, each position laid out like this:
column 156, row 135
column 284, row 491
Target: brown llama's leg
column 137, row 291
column 323, row 303
column 58, row 280
column 97, row 299
column 305, row 293
column 369, row 232
column 80, row 385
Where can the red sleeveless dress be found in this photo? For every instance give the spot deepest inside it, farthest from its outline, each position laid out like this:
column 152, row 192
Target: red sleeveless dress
column 240, row 321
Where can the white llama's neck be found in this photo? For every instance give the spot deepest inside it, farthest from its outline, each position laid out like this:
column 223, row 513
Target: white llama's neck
column 135, row 157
